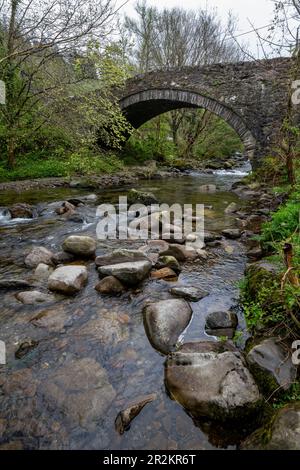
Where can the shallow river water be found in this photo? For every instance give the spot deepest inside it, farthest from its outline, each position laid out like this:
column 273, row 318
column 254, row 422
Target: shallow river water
column 44, row 398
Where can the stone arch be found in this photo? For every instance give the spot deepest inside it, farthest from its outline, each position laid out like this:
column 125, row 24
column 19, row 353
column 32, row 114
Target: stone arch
column 144, row 105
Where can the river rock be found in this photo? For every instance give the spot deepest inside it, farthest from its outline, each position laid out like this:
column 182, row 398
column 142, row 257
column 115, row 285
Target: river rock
column 164, row 273
column 282, row 433
column 141, row 197
column 232, row 233
column 120, row 256
column 38, row 255
column 221, row 324
column 211, row 237
column 231, row 208
column 62, row 257
column 110, row 285
column 125, row 417
column 68, row 279
column 130, row 273
column 180, row 253
column 154, row 246
column 191, row 293
column 43, row 271
column 255, row 253
column 67, row 209
column 22, row 211
column 168, row 262
column 216, row 385
column 271, row 365
column 221, row 320
column 34, row 297
column 108, row 328
column 208, row 188
column 254, row 222
column 80, row 245
column 165, row 321
column 80, row 391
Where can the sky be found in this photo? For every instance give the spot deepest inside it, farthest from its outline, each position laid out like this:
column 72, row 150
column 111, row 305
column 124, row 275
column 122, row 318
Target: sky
column 259, row 12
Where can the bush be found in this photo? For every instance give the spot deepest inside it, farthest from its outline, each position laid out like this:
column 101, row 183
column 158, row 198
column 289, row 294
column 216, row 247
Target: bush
column 80, row 163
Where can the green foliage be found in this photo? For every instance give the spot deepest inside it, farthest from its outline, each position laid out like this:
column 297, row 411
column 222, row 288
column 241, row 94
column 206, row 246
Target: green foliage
column 266, row 299
column 79, row 163
column 218, row 140
column 151, row 141
column 266, row 308
column 292, row 395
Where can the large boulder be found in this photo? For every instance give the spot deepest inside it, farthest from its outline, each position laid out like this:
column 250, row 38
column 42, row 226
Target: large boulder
column 282, row 433
column 272, row 366
column 120, row 256
column 130, row 273
column 38, row 255
column 165, row 321
column 214, row 384
column 80, row 245
column 68, row 279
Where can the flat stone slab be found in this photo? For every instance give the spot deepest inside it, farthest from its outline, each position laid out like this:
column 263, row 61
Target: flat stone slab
column 68, row 279
column 130, row 273
column 193, row 294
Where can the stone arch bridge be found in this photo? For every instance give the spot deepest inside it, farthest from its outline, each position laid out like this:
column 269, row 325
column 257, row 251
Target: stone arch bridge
column 251, row 97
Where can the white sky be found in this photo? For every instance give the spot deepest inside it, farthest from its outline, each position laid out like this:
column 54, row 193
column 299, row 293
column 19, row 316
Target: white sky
column 259, row 12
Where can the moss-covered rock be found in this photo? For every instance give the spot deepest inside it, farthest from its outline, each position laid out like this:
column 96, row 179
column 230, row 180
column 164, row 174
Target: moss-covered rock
column 282, row 432
column 272, row 367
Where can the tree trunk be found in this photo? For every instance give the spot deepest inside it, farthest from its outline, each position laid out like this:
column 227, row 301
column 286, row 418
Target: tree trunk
column 11, row 153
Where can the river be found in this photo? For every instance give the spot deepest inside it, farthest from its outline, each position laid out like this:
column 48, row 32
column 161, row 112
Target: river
column 108, row 330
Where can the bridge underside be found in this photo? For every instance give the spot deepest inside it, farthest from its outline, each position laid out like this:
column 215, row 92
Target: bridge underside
column 139, row 113
column 145, row 105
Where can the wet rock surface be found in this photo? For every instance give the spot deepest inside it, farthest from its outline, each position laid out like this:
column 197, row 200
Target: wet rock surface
column 34, row 297
column 81, row 390
column 68, row 279
column 130, row 273
column 164, row 322
column 282, row 434
column 38, row 255
column 80, row 246
column 110, row 285
column 271, row 364
column 192, row 294
column 216, row 385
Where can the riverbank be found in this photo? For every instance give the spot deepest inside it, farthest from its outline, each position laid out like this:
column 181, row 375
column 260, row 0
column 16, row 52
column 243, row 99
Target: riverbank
column 270, row 298
column 125, row 177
